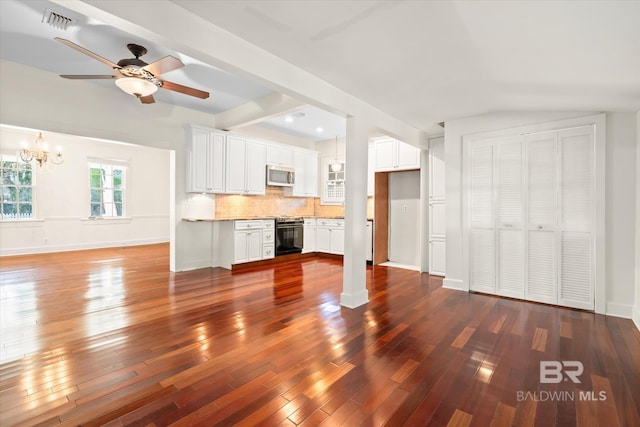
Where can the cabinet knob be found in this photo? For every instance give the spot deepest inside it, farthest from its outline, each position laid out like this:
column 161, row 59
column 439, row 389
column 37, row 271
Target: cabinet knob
column 539, row 227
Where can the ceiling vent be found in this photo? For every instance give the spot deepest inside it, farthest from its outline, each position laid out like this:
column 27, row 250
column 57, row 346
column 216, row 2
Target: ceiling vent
column 56, row 20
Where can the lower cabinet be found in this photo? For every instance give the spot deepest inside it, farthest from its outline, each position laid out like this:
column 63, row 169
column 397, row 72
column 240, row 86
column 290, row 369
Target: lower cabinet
column 369, row 248
column 247, row 246
column 309, row 236
column 253, row 240
column 330, row 235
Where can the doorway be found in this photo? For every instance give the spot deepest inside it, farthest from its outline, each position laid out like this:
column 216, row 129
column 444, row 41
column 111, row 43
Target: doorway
column 404, row 219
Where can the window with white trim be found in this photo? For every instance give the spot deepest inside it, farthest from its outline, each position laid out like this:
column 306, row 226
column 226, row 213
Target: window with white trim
column 107, row 188
column 332, row 182
column 16, row 182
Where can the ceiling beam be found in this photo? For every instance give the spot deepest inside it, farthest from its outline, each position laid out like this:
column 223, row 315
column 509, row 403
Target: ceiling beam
column 271, row 105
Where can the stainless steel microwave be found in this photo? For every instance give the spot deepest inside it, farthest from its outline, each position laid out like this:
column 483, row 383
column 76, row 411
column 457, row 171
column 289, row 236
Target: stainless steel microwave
column 280, row 176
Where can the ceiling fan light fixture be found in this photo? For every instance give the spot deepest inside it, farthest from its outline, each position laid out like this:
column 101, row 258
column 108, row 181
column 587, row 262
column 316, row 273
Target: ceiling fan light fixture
column 136, row 86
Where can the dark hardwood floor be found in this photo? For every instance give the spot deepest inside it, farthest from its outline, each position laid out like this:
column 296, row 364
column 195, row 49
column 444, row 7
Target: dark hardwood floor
column 111, row 337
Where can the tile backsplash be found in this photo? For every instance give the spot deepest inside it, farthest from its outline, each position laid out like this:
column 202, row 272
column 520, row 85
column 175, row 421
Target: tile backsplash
column 274, row 203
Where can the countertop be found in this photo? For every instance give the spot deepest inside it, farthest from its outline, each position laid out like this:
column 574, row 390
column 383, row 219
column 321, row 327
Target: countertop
column 254, row 218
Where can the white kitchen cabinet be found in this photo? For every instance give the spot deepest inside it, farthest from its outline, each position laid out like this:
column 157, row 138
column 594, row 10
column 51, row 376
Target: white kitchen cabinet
column 205, row 160
column 337, row 239
column 246, row 166
column 248, row 241
column 280, row 155
column 251, row 240
column 393, row 155
column 268, row 239
column 247, row 246
column 309, row 236
column 330, row 235
column 305, row 164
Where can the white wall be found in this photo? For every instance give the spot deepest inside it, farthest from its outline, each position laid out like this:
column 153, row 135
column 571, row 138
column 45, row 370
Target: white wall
column 619, row 293
column 636, row 310
column 61, row 197
column 620, row 212
column 37, row 99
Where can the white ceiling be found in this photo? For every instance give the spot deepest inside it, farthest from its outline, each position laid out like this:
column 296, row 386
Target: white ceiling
column 430, row 61
column 420, row 61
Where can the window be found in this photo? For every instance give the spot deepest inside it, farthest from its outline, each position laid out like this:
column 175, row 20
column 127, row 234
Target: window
column 17, row 188
column 107, row 187
column 333, row 183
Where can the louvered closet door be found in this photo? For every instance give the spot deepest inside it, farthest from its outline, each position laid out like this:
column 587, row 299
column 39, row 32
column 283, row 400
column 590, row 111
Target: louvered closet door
column 482, row 231
column 510, row 213
column 576, row 273
column 541, row 177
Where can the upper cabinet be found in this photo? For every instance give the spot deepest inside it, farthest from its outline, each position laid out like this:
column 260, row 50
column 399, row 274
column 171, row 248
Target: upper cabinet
column 221, row 162
column 305, row 163
column 392, row 155
column 280, row 155
column 246, row 166
column 205, row 160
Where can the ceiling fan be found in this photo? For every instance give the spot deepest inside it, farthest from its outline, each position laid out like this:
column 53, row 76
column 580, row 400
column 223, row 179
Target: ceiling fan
column 136, row 77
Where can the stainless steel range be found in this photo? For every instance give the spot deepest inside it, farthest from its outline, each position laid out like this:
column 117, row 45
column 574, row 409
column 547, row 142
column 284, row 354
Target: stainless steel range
column 289, row 235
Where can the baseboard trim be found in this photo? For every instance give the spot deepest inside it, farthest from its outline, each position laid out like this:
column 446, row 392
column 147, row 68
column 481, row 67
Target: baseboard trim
column 455, row 284
column 81, row 247
column 619, row 310
column 636, row 316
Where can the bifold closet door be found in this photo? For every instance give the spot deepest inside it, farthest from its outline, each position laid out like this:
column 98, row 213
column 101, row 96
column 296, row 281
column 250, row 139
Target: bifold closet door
column 576, row 218
column 510, row 218
column 482, row 249
column 541, row 266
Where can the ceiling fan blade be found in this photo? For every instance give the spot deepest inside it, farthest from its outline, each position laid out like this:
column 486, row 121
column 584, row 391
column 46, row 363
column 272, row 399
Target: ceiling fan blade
column 185, row 89
column 87, row 52
column 147, row 99
column 86, row 76
column 164, row 65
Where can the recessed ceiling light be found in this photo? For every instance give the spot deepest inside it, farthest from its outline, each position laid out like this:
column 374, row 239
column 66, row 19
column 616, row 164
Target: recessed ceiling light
column 288, row 119
column 319, row 129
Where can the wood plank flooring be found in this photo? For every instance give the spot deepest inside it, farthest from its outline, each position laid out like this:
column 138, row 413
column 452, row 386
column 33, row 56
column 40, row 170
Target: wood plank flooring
column 111, row 337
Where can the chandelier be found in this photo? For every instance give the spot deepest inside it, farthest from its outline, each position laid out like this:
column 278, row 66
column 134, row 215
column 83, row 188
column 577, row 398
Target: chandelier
column 40, row 153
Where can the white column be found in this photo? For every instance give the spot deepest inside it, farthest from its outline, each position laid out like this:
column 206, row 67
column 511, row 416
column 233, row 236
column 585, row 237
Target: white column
column 354, row 289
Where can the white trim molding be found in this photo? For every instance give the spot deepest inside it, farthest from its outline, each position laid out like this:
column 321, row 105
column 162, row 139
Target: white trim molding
column 455, row 284
column 619, row 310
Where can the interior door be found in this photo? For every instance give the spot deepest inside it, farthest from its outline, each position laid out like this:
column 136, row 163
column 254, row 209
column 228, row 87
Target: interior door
column 541, row 263
column 576, row 275
column 482, row 250
column 437, row 213
column 510, row 218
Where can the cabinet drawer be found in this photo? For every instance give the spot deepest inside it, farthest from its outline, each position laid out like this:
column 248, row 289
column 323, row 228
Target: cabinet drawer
column 337, row 223
column 323, row 222
column 268, row 224
column 309, row 222
column 268, row 251
column 268, row 236
column 248, row 225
